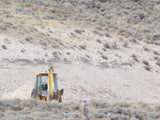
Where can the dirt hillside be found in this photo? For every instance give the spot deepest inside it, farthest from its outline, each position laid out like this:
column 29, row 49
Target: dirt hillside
column 101, row 49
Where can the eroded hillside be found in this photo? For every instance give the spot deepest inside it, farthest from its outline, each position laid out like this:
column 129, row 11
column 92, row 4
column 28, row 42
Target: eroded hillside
column 101, row 49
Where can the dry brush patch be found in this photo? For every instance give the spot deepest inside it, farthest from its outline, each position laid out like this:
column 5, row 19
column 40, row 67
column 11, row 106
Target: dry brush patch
column 32, row 110
column 124, row 111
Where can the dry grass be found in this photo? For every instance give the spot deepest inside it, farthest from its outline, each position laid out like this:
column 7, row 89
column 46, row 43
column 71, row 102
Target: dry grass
column 18, row 109
column 158, row 63
column 31, row 110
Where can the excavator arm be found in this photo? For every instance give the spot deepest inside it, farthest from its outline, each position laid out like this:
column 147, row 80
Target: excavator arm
column 52, row 91
column 50, row 83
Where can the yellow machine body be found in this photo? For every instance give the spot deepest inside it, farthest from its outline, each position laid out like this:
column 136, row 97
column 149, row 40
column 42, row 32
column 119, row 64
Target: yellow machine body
column 46, row 88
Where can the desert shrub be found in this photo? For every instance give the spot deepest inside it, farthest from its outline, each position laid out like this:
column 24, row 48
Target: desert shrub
column 106, row 45
column 55, row 46
column 123, row 104
column 107, row 35
column 156, row 53
column 46, row 55
column 43, row 43
column 103, row 1
column 49, row 106
column 111, row 45
column 33, row 110
column 1, row 115
column 29, row 103
column 139, row 116
column 26, row 110
column 75, row 107
column 42, row 2
column 127, row 111
column 147, row 68
column 158, row 63
column 134, row 57
column 102, row 105
column 97, row 32
column 68, row 53
column 135, row 0
column 23, row 50
column 91, row 4
column 73, row 35
column 141, row 105
column 96, row 113
column 114, row 45
column 154, row 115
column 99, row 41
column 47, row 15
column 26, row 118
column 67, row 60
column 105, row 57
column 156, row 58
column 123, row 117
column 133, row 40
column 98, row 6
column 25, row 10
column 145, row 62
column 4, row 47
column 104, row 49
column 141, row 16
column 84, row 60
column 117, row 110
column 79, row 31
column 156, row 37
column 99, row 115
column 115, row 117
column 156, row 43
column 41, row 114
column 14, row 105
column 96, row 104
column 145, row 48
column 76, row 115
column 11, row 113
column 156, row 108
column 83, row 46
column 103, row 64
column 28, row 39
column 56, row 56
column 125, row 44
column 133, row 118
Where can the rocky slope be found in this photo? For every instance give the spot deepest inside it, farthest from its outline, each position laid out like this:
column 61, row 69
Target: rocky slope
column 101, row 49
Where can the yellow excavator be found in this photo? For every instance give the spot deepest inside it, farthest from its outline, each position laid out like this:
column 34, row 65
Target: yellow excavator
column 46, row 87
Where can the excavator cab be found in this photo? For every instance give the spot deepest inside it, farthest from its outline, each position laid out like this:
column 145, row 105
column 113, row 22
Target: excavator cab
column 46, row 88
